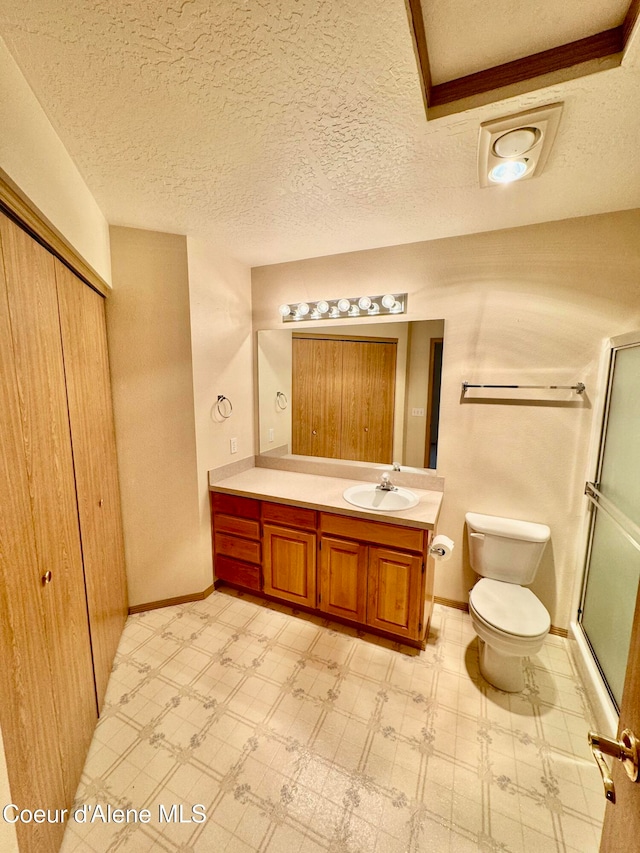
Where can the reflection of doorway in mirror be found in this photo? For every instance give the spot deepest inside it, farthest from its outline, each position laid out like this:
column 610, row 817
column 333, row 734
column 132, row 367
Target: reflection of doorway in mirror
column 343, row 394
column 433, row 404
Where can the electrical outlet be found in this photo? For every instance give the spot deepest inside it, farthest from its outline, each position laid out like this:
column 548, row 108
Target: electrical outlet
column 234, row 445
column 417, row 413
column 270, row 435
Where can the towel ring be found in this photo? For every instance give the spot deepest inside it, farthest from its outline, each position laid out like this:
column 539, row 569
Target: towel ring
column 223, row 406
column 281, row 400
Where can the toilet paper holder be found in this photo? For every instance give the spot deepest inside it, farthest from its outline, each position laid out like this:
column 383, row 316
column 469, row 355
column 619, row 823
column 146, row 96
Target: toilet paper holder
column 441, row 547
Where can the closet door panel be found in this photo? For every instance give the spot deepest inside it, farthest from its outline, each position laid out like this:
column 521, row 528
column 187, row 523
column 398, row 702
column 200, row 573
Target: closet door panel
column 316, row 394
column 26, row 702
column 368, row 401
column 33, row 312
column 86, row 363
column 302, row 398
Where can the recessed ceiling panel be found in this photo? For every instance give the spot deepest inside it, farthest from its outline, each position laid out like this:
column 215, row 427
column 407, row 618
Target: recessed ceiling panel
column 467, row 36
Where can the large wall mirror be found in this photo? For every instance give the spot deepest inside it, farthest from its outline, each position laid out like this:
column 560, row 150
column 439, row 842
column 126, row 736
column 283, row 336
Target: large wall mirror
column 358, row 392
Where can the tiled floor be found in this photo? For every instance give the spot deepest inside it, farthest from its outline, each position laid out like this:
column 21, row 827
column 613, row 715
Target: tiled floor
column 296, row 735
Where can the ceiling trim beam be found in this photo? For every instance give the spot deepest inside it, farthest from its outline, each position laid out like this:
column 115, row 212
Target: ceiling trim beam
column 575, row 59
column 608, row 43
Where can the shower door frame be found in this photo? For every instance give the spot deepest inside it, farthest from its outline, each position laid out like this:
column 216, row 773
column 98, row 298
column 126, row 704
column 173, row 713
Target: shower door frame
column 598, row 441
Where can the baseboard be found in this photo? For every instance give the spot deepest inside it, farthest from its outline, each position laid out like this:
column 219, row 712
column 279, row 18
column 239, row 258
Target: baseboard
column 559, row 632
column 169, row 602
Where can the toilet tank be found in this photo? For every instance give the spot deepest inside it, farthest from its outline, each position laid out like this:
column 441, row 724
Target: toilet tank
column 505, row 549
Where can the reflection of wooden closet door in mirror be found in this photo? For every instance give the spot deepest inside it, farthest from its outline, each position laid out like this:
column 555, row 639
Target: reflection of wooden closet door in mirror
column 316, row 393
column 369, row 371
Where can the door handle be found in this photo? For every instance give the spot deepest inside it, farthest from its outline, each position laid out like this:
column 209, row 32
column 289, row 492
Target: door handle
column 626, row 750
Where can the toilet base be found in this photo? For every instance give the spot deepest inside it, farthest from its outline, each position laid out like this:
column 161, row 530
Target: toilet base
column 502, row 671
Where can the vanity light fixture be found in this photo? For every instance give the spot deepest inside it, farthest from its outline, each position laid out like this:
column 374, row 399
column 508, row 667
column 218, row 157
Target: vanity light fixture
column 332, row 309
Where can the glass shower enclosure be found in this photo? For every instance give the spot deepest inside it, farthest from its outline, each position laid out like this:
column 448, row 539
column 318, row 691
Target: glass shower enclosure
column 612, row 570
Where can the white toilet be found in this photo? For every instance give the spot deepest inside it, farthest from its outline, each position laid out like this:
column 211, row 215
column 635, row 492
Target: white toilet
column 508, row 618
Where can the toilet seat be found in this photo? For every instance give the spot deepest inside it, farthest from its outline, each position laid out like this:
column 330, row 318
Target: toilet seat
column 509, row 608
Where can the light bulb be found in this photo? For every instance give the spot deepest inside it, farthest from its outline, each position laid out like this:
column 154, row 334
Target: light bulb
column 322, row 306
column 364, row 302
column 334, row 312
column 388, row 301
column 284, row 310
column 303, row 309
column 505, row 173
column 343, row 305
column 374, row 308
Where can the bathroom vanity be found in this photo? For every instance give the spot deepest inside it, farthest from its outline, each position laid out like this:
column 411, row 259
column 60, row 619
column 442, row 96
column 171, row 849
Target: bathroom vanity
column 292, row 537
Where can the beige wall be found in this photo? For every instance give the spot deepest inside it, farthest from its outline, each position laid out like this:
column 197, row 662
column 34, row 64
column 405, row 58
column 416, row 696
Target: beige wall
column 221, row 353
column 148, row 322
column 529, row 305
column 33, row 156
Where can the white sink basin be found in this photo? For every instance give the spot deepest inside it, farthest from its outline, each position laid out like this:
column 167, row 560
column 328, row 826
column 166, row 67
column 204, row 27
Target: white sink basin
column 368, row 496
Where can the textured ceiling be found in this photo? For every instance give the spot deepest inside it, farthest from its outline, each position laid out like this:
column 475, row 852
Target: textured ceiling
column 287, row 129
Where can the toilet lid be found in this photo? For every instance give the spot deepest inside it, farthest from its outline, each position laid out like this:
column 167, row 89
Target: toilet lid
column 510, row 608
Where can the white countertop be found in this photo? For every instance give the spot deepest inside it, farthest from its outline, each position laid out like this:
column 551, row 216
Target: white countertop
column 325, row 493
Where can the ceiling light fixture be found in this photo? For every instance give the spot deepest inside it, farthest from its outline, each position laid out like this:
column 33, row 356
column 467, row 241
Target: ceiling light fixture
column 516, row 147
column 331, row 309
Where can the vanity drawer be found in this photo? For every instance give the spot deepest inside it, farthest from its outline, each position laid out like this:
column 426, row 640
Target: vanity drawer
column 233, row 546
column 233, row 505
column 391, row 535
column 245, row 527
column 293, row 516
column 237, row 572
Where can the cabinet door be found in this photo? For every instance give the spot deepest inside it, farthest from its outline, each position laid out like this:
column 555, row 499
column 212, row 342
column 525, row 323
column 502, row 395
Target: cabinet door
column 343, row 578
column 289, row 566
column 394, row 592
column 40, row 381
column 86, row 363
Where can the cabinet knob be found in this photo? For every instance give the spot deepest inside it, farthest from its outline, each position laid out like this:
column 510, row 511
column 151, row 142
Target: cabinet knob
column 366, row 429
column 46, row 578
column 314, row 432
column 101, row 502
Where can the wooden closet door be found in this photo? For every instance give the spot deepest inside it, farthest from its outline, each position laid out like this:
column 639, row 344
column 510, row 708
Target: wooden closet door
column 317, row 382
column 368, row 397
column 39, row 374
column 86, row 363
column 27, row 714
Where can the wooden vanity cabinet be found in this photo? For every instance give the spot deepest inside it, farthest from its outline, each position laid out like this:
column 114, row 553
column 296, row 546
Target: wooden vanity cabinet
column 375, row 574
column 236, row 540
column 369, row 573
column 289, row 562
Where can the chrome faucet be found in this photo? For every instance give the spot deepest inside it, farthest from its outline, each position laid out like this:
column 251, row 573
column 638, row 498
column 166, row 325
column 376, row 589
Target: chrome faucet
column 385, row 484
column 396, row 466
